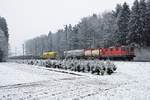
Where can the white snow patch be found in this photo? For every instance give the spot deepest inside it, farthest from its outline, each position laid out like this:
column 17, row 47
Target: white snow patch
column 10, row 76
column 130, row 82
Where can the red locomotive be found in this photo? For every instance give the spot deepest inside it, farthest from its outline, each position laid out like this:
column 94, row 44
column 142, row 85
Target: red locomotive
column 114, row 53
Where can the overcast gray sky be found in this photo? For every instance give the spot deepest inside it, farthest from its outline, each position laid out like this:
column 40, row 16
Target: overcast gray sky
column 30, row 18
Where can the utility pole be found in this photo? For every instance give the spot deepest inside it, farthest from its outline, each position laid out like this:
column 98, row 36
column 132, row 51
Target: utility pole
column 50, row 41
column 66, row 29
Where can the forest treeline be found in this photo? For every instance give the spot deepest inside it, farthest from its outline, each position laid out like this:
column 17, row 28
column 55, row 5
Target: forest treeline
column 123, row 26
column 3, row 39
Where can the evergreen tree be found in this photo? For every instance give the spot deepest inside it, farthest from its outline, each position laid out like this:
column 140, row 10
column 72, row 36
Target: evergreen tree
column 142, row 11
column 4, row 39
column 148, row 23
column 115, row 14
column 122, row 23
column 109, row 29
column 85, row 34
column 3, row 26
column 135, row 36
column 117, row 10
column 74, row 40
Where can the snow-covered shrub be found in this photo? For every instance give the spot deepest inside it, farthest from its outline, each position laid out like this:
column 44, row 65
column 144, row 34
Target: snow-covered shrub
column 110, row 67
column 30, row 62
column 92, row 69
column 89, row 66
column 48, row 64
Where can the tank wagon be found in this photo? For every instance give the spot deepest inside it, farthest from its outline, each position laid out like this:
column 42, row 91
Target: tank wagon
column 74, row 53
column 114, row 53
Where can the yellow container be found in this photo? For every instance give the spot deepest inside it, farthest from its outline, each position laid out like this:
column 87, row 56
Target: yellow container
column 49, row 55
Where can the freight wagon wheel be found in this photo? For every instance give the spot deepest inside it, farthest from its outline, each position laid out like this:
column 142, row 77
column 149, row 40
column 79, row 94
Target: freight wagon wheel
column 125, row 58
column 130, row 58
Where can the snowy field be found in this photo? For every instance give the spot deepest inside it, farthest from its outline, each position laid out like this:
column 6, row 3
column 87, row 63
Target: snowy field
column 131, row 81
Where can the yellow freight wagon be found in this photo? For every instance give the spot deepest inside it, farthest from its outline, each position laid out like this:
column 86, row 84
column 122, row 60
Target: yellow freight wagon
column 49, row 55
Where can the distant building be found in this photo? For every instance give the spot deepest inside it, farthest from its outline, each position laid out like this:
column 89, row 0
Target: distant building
column 3, row 46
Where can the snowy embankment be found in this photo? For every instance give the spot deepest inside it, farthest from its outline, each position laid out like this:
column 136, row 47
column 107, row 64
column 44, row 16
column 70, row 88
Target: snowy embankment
column 27, row 82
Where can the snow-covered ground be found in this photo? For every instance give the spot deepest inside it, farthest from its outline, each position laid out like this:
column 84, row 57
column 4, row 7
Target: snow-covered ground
column 27, row 82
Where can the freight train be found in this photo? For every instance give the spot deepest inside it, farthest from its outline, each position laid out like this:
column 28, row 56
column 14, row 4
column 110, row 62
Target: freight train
column 112, row 53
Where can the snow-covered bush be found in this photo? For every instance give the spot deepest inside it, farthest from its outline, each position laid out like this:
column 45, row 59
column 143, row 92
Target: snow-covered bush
column 110, row 67
column 92, row 66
